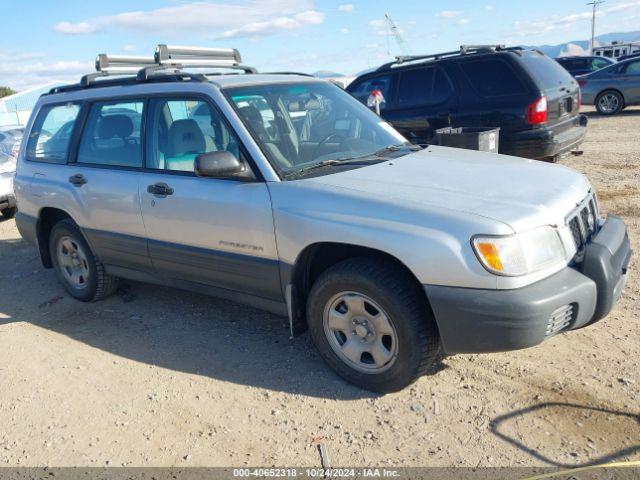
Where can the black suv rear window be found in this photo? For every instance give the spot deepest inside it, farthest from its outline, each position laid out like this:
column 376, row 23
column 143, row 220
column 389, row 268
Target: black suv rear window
column 492, row 77
column 546, row 71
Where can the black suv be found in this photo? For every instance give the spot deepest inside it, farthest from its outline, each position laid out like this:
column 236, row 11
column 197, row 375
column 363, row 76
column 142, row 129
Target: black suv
column 583, row 65
column 533, row 100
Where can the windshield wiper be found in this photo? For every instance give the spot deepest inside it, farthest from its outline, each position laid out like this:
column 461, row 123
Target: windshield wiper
column 315, row 166
column 377, row 156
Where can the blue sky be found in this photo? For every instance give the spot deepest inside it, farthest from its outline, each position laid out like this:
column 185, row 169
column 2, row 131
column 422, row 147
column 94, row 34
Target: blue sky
column 58, row 40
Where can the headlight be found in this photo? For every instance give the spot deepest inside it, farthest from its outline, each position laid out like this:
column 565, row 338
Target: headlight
column 519, row 254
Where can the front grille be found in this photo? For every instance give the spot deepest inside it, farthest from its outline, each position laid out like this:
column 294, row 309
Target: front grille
column 559, row 320
column 583, row 222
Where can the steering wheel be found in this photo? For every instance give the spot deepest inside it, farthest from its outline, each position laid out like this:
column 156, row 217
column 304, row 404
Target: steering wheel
column 325, row 140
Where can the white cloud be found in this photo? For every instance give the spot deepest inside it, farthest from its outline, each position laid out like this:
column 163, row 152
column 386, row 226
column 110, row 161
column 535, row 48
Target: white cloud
column 346, row 7
column 344, row 30
column 449, row 13
column 488, row 8
column 21, row 76
column 129, row 48
column 463, row 21
column 258, row 17
column 564, row 22
column 256, row 29
column 378, row 27
column 79, row 28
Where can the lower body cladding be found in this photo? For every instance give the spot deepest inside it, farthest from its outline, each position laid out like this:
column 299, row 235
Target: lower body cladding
column 477, row 321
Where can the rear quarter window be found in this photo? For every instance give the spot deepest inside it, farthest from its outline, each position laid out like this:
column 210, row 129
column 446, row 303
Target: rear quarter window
column 51, row 133
column 493, row 77
column 546, row 72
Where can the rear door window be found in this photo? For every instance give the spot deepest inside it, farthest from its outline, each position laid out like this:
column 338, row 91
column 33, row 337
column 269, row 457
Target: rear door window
column 493, row 77
column 633, row 68
column 111, row 135
column 414, row 87
column 599, row 63
column 51, row 133
column 442, row 88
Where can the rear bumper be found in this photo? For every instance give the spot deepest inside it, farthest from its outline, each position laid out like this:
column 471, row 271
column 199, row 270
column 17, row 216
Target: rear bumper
column 543, row 143
column 476, row 321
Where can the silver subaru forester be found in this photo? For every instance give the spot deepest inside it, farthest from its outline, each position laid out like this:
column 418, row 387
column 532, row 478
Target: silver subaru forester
column 283, row 192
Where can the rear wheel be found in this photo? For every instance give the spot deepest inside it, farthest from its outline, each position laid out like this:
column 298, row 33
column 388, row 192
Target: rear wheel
column 79, row 271
column 9, row 212
column 609, row 102
column 371, row 323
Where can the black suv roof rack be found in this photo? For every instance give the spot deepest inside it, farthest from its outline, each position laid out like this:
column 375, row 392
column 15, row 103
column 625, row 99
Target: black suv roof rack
column 167, row 64
column 464, row 50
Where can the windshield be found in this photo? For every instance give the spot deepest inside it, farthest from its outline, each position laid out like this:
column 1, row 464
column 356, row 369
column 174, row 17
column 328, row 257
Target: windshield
column 303, row 125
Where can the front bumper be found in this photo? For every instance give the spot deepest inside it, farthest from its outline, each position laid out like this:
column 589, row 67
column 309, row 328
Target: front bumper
column 547, row 142
column 476, row 321
column 7, row 198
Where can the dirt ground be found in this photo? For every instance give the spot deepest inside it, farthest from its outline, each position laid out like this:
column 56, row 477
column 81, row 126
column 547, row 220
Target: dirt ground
column 157, row 377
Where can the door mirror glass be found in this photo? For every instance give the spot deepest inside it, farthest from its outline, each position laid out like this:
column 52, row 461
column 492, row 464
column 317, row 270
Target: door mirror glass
column 219, row 164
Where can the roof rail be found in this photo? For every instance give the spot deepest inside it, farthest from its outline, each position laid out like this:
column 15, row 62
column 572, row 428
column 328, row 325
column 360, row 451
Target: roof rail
column 464, row 50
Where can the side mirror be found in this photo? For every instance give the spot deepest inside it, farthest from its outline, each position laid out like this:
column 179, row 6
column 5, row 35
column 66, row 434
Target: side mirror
column 220, row 164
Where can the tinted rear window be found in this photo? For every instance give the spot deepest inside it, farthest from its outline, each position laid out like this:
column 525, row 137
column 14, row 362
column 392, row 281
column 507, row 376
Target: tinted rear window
column 493, row 77
column 573, row 62
column 545, row 70
column 415, row 87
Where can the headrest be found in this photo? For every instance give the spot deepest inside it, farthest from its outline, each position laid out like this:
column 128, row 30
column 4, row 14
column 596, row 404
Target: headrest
column 185, row 136
column 115, row 126
column 252, row 115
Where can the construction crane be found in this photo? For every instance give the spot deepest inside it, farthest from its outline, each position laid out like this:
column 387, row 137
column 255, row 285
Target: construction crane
column 402, row 43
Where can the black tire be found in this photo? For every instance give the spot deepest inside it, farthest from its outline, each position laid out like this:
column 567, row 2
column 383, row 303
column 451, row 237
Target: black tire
column 613, row 95
column 389, row 285
column 98, row 284
column 9, row 212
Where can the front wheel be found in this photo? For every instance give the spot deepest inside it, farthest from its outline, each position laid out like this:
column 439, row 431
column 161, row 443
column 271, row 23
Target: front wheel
column 609, row 102
column 79, row 271
column 372, row 324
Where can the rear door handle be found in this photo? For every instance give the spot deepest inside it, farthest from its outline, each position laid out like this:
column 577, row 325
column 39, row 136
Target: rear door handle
column 160, row 189
column 77, row 180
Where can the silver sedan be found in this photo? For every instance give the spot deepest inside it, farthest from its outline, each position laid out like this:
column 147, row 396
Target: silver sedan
column 612, row 88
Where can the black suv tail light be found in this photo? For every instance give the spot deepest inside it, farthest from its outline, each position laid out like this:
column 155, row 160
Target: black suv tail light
column 537, row 111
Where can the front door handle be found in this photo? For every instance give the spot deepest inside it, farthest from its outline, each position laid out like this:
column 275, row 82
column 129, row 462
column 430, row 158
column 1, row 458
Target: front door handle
column 77, row 180
column 160, row 189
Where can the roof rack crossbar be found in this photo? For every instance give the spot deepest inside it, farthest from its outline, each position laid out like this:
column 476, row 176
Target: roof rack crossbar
column 105, row 62
column 175, row 54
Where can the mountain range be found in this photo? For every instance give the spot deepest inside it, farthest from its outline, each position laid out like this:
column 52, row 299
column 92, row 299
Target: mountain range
column 581, row 47
column 574, row 47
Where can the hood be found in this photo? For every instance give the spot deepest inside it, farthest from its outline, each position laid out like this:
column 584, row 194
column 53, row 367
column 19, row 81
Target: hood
column 518, row 192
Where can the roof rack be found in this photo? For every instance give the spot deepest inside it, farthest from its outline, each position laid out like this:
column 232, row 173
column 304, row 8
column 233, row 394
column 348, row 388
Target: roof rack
column 174, row 57
column 464, row 50
column 168, row 60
